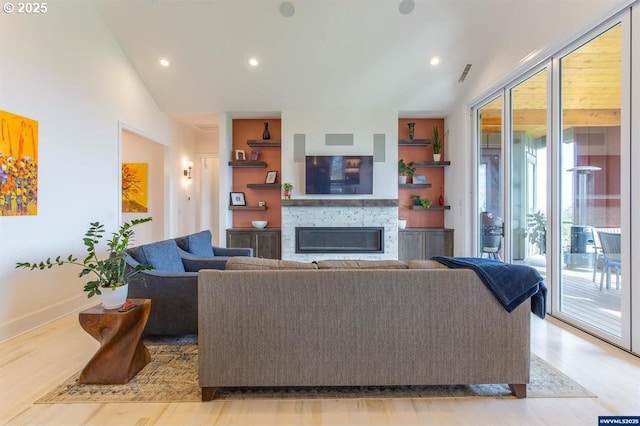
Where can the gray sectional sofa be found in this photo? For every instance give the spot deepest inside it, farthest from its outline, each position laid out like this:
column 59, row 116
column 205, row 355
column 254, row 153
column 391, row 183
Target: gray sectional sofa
column 355, row 323
column 172, row 285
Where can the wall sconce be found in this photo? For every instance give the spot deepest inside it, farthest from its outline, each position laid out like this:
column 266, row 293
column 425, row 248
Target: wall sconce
column 187, row 171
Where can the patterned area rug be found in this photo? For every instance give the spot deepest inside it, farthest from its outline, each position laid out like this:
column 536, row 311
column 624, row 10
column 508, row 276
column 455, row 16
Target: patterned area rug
column 172, row 376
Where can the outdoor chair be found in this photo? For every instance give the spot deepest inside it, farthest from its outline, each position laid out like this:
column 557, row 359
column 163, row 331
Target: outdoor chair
column 610, row 244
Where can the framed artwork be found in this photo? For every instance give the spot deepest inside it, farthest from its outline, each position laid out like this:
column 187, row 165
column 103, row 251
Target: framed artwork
column 237, row 199
column 18, row 165
column 240, row 155
column 271, row 176
column 419, row 179
column 135, row 183
column 255, row 154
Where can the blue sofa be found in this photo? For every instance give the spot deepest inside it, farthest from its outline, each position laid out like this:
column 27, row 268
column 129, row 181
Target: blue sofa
column 172, row 285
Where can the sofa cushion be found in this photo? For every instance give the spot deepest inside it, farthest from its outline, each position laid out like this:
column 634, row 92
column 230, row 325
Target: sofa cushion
column 426, row 264
column 362, row 264
column 248, row 263
column 163, row 256
column 198, row 244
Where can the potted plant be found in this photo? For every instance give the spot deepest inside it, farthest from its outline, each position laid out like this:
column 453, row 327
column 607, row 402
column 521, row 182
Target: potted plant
column 110, row 276
column 404, row 171
column 420, row 201
column 537, row 230
column 287, row 190
column 436, row 143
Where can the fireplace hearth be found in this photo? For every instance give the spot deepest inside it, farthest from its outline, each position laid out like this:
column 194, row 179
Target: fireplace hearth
column 339, row 239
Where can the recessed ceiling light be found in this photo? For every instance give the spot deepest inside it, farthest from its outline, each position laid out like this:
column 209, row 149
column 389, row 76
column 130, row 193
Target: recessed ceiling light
column 253, row 62
column 164, row 62
column 434, row 60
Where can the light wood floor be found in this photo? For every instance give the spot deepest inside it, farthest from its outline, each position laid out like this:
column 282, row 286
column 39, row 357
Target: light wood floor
column 32, row 364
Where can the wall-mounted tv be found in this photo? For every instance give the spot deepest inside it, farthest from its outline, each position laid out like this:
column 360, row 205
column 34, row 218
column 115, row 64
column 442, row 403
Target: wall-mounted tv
column 339, row 174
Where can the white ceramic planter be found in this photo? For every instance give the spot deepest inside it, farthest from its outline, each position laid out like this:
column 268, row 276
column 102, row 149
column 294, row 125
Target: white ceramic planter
column 114, row 298
column 402, row 179
column 402, row 223
column 436, row 157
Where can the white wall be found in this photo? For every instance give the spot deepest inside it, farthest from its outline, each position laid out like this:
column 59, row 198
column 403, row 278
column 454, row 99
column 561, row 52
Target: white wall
column 363, row 124
column 64, row 70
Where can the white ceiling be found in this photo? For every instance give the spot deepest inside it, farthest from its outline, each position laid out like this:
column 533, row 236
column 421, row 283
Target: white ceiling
column 347, row 54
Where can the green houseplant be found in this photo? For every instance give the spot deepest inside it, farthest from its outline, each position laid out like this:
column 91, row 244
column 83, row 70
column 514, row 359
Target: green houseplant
column 436, row 144
column 287, row 186
column 404, row 170
column 537, row 230
column 420, row 201
column 108, row 273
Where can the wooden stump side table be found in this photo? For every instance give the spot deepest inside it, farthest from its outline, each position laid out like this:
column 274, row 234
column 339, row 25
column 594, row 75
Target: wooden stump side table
column 121, row 354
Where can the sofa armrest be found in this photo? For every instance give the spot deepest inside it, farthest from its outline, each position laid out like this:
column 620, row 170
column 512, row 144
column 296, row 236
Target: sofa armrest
column 230, row 252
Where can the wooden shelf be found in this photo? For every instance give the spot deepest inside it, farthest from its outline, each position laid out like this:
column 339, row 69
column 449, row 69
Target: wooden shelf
column 431, row 163
column 247, row 164
column 414, row 185
column 414, row 142
column 254, row 208
column 431, row 208
column 264, row 142
column 264, row 185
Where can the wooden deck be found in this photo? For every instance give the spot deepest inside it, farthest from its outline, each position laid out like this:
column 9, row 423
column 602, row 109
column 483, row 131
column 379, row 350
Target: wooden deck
column 582, row 299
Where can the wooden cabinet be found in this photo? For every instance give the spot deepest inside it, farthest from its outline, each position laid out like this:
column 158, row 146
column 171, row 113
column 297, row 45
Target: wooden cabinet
column 264, row 242
column 422, row 243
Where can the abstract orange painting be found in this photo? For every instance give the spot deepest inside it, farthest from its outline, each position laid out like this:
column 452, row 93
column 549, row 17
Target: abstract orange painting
column 18, row 165
column 135, row 187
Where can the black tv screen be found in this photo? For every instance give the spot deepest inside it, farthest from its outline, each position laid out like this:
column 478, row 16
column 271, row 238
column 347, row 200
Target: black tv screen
column 339, row 174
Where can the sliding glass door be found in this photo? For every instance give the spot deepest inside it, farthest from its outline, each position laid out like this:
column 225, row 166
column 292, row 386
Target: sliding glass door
column 592, row 270
column 529, row 171
column 553, row 179
column 490, row 179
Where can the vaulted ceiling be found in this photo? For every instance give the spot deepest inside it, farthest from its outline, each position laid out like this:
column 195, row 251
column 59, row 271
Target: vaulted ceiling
column 339, row 54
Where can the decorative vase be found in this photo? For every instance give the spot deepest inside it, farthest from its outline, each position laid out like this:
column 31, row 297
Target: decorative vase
column 266, row 135
column 412, row 129
column 441, row 199
column 114, row 298
column 287, row 194
column 436, row 157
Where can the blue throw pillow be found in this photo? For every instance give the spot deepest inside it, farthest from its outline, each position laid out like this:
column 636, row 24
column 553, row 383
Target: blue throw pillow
column 163, row 256
column 199, row 244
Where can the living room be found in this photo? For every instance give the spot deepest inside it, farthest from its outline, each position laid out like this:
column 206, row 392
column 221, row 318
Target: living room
column 68, row 71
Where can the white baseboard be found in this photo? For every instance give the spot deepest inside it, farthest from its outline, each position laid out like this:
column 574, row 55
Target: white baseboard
column 25, row 323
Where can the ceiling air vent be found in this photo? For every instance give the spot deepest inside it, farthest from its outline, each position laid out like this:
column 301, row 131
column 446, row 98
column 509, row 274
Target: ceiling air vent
column 465, row 71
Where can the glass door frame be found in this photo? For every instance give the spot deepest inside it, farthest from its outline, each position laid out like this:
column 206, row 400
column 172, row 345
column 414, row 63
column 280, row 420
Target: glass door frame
column 555, row 269
column 554, row 132
column 475, row 132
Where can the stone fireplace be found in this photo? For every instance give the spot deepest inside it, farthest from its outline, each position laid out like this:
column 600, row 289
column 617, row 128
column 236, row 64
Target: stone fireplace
column 364, row 229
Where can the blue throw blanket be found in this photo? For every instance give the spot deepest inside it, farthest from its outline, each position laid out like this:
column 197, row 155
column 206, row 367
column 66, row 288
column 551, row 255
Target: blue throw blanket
column 511, row 284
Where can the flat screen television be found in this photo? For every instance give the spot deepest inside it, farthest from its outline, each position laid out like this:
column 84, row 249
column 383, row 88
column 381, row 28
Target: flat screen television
column 339, row 174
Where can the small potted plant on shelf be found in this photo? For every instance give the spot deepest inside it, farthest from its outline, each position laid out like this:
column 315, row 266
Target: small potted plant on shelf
column 420, row 201
column 287, row 187
column 404, row 171
column 110, row 276
column 436, row 143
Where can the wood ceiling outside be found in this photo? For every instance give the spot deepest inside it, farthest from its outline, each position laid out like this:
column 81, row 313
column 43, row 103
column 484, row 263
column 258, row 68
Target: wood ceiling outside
column 591, row 90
